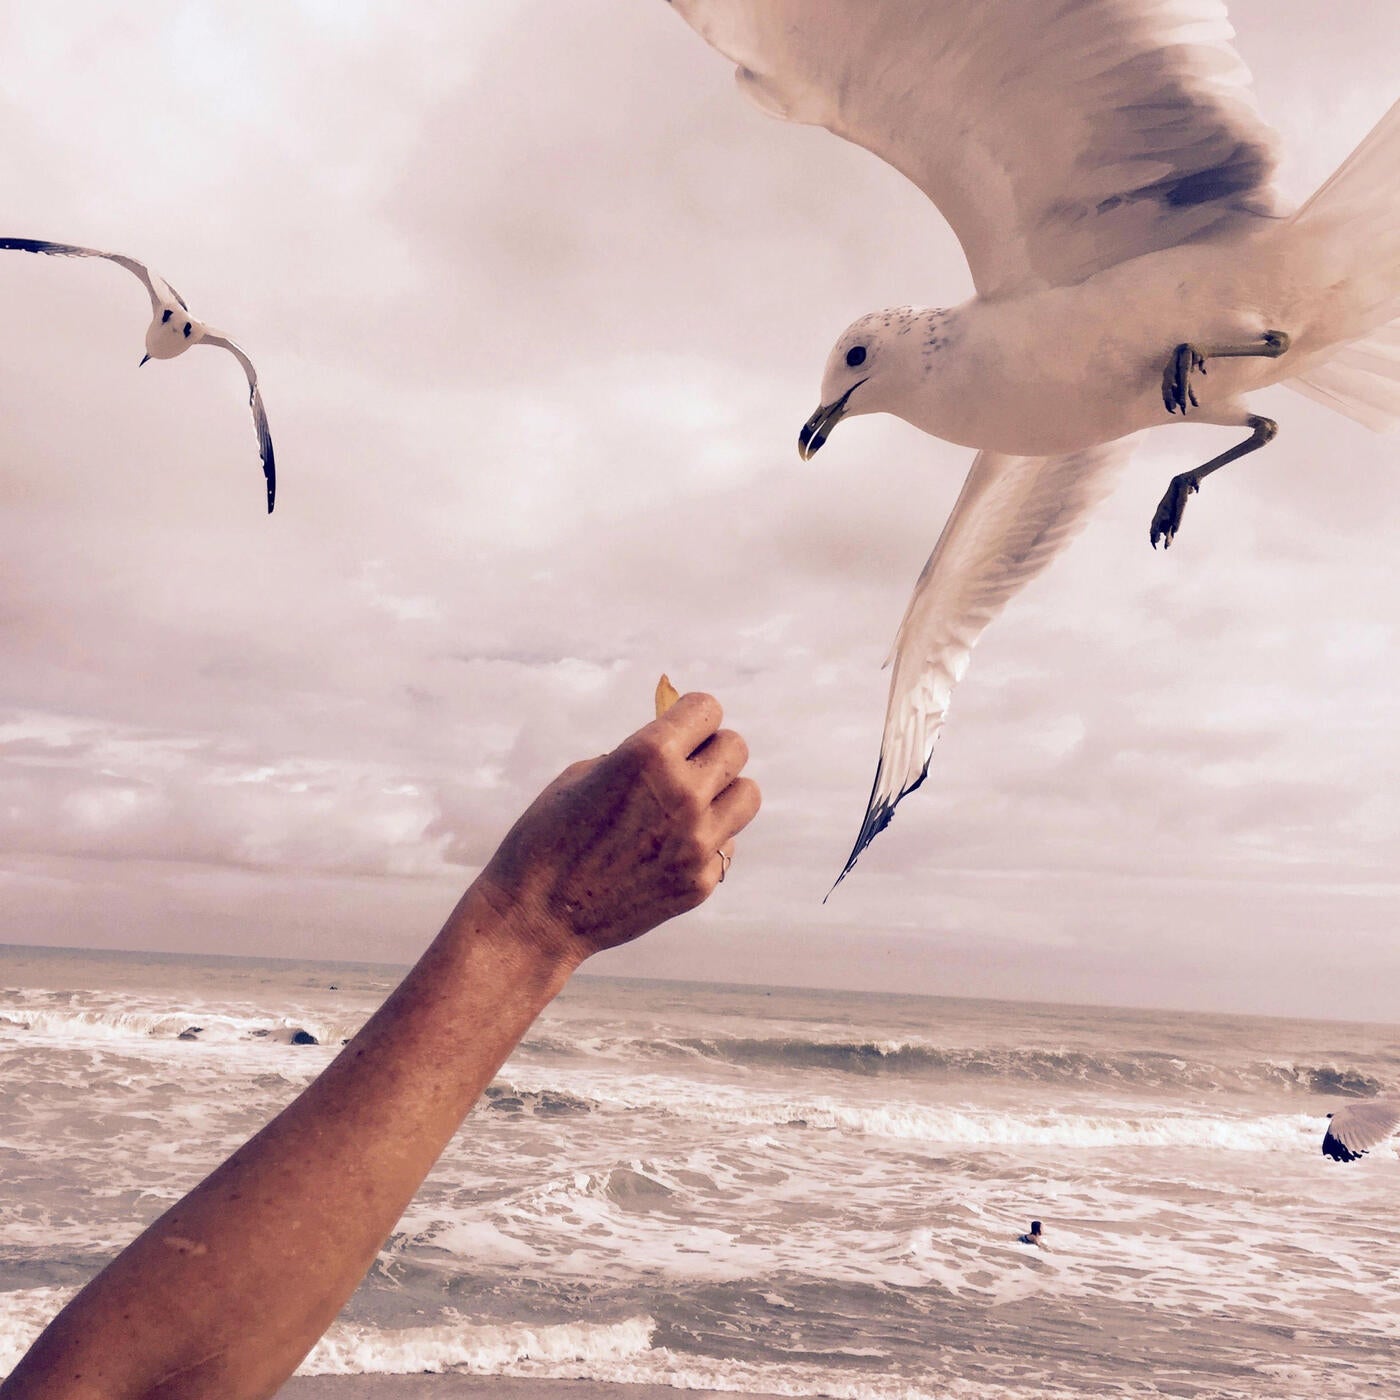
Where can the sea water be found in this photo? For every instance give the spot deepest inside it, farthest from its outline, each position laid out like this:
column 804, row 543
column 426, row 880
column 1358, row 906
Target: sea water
column 748, row 1189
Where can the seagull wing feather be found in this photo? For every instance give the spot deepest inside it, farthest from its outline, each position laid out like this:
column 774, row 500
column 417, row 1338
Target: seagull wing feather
column 1013, row 516
column 159, row 290
column 1057, row 139
column 269, row 461
column 1360, row 1126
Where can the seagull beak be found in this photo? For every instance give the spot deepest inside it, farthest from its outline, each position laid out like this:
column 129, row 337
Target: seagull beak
column 144, row 358
column 817, row 428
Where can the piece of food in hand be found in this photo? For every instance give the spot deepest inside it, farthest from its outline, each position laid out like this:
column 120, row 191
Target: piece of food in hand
column 666, row 695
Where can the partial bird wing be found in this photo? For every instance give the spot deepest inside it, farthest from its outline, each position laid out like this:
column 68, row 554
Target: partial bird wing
column 1056, row 138
column 1359, row 1127
column 161, row 292
column 269, row 462
column 1013, row 516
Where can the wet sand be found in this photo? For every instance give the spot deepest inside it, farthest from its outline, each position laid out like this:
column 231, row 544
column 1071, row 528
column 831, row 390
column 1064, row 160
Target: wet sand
column 450, row 1387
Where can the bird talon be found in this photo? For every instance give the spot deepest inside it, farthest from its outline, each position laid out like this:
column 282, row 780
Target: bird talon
column 1177, row 393
column 1167, row 519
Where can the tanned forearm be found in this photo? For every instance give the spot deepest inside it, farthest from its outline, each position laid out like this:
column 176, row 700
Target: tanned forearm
column 231, row 1287
column 227, row 1292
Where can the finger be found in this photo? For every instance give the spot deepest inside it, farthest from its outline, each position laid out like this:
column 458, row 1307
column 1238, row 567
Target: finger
column 691, row 720
column 718, row 761
column 733, row 810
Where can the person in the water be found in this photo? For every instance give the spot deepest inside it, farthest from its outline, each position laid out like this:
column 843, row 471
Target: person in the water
column 1035, row 1237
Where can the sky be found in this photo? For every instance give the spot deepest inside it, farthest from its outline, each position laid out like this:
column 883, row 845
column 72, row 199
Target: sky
column 538, row 304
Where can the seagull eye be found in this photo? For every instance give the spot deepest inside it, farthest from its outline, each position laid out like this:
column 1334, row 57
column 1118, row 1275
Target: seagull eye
column 855, row 356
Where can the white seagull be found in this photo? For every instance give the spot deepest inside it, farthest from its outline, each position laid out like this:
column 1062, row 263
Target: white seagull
column 1358, row 1127
column 172, row 331
column 1106, row 171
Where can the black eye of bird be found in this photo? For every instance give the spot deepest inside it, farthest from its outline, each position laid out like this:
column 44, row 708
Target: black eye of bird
column 855, row 356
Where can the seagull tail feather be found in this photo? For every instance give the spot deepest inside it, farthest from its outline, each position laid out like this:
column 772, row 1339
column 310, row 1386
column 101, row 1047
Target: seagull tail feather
column 1361, row 380
column 1349, row 230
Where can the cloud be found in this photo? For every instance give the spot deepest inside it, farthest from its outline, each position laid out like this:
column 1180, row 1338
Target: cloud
column 538, row 306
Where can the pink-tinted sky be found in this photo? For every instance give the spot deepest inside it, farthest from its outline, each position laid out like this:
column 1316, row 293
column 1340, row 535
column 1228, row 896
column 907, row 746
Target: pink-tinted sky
column 539, row 304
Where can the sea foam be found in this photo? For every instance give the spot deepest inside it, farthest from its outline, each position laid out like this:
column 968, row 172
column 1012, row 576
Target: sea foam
column 951, row 1125
column 483, row 1349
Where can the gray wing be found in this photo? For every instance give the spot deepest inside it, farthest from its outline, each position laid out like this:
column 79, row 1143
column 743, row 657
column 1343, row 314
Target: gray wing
column 1057, row 138
column 269, row 461
column 1013, row 516
column 1358, row 1127
column 160, row 291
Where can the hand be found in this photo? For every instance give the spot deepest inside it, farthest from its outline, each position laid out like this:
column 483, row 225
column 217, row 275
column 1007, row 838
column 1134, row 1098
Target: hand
column 618, row 844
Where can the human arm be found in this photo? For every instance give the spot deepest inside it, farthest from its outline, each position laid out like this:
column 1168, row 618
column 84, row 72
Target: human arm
column 226, row 1292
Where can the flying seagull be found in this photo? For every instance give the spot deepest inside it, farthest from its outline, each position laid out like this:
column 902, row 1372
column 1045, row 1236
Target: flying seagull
column 1355, row 1129
column 1106, row 171
column 172, row 331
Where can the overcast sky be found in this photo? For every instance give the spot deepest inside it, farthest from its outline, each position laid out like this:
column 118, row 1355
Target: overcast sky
column 539, row 304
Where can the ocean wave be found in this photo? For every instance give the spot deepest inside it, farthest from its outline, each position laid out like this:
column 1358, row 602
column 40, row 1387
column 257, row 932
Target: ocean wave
column 953, row 1125
column 618, row 1353
column 544, row 1103
column 915, row 1058
column 1321, row 1079
column 355, row 1349
column 351, row 1349
column 112, row 1026
column 58, row 1016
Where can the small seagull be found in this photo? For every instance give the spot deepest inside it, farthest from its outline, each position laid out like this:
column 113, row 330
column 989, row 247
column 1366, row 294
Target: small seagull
column 172, row 331
column 1355, row 1129
column 1106, row 171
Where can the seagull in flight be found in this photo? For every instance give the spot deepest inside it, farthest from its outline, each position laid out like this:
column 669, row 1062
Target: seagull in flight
column 172, row 331
column 1109, row 177
column 1353, row 1130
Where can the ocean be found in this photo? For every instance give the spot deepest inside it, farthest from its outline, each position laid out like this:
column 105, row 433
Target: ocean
column 762, row 1191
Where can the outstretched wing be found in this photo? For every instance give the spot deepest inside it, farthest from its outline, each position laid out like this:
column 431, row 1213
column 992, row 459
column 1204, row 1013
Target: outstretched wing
column 269, row 462
column 1358, row 1127
column 160, row 291
column 1057, row 139
column 1013, row 516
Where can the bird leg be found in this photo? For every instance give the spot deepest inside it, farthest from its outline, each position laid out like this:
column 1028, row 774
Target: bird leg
column 1167, row 521
column 1188, row 359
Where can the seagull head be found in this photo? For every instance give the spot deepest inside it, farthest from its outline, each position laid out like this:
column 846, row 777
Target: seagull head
column 854, row 375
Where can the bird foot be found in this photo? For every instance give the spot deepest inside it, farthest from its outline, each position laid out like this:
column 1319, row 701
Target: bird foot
column 1176, row 378
column 1167, row 521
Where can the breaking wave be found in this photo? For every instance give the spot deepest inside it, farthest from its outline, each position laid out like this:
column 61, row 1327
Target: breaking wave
column 949, row 1126
column 114, row 1027
column 543, row 1103
column 356, row 1349
column 1132, row 1069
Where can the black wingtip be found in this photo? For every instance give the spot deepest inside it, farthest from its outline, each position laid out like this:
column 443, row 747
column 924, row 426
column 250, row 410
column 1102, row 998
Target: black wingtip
column 879, row 812
column 270, row 472
column 1338, row 1151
